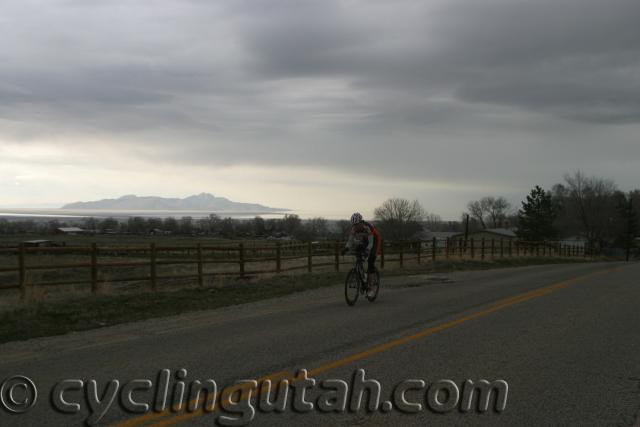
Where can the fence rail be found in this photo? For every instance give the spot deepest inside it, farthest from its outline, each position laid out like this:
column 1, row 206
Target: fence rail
column 94, row 265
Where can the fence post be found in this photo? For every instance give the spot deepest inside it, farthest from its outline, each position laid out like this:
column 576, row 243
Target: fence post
column 510, row 249
column 382, row 255
column 482, row 249
column 200, row 275
column 337, row 255
column 22, row 271
column 517, row 249
column 241, row 258
column 460, row 248
column 309, row 257
column 537, row 249
column 401, row 255
column 434, row 249
column 473, row 252
column 493, row 248
column 419, row 249
column 94, row 268
column 278, row 255
column 501, row 248
column 152, row 256
column 446, row 248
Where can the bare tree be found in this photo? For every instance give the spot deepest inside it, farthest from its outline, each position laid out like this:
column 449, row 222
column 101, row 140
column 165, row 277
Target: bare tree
column 489, row 209
column 316, row 227
column 497, row 208
column 591, row 201
column 477, row 212
column 433, row 221
column 398, row 209
column 343, row 227
column 400, row 218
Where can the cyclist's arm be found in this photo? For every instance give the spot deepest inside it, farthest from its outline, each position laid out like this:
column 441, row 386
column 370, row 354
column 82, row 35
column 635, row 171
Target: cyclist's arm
column 370, row 244
column 349, row 243
column 370, row 238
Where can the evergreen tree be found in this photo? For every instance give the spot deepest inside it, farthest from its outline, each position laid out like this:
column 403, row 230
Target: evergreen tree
column 628, row 220
column 536, row 217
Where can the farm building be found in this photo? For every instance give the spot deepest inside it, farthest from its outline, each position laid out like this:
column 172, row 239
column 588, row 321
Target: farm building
column 574, row 241
column 426, row 238
column 488, row 234
column 41, row 243
column 70, row 230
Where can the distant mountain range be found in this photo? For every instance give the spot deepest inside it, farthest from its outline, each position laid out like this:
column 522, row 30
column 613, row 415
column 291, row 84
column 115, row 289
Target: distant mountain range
column 197, row 202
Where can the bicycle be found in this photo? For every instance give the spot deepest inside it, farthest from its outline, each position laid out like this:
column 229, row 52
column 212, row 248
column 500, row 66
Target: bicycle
column 356, row 282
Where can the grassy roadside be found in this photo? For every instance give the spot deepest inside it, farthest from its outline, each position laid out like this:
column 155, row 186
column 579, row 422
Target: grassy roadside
column 47, row 319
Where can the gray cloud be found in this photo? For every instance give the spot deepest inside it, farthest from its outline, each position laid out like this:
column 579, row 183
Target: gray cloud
column 449, row 90
column 577, row 58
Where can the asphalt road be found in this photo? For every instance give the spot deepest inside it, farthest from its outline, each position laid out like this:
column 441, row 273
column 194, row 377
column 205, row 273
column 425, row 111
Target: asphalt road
column 564, row 338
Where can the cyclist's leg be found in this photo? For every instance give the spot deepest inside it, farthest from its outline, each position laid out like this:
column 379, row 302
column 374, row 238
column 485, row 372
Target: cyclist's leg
column 372, row 257
column 371, row 262
column 371, row 268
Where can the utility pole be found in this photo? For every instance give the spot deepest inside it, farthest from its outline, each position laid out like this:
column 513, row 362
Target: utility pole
column 466, row 232
column 630, row 227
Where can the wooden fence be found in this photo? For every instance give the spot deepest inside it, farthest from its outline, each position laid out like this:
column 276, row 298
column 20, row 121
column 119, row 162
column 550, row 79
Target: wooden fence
column 88, row 264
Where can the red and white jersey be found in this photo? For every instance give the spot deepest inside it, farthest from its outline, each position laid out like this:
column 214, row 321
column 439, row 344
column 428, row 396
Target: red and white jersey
column 367, row 231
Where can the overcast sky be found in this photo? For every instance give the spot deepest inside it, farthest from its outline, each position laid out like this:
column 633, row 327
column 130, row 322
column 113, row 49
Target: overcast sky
column 325, row 106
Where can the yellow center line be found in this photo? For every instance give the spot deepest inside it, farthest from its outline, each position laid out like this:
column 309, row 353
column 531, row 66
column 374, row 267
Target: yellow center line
column 227, row 391
column 174, row 418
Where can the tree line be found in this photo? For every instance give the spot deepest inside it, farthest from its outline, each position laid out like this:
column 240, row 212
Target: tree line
column 290, row 226
column 586, row 207
column 589, row 207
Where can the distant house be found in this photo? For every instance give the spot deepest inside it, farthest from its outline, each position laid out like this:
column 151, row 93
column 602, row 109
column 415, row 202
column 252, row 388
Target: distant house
column 422, row 236
column 577, row 241
column 70, row 231
column 40, row 243
column 159, row 232
column 426, row 237
column 279, row 236
column 488, row 234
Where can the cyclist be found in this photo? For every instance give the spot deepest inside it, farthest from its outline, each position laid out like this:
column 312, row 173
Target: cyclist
column 361, row 229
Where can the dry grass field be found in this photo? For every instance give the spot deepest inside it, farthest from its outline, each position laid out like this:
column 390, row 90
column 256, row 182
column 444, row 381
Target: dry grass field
column 94, row 281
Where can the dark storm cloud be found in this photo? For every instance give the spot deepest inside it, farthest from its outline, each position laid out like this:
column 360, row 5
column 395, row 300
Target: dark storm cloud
column 577, row 59
column 406, row 88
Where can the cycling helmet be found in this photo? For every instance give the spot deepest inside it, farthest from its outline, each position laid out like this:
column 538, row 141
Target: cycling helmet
column 356, row 218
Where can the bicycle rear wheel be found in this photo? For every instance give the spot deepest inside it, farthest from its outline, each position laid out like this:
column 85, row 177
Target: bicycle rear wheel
column 372, row 293
column 352, row 287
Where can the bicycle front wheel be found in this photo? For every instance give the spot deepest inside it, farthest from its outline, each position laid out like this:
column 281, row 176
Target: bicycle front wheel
column 352, row 287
